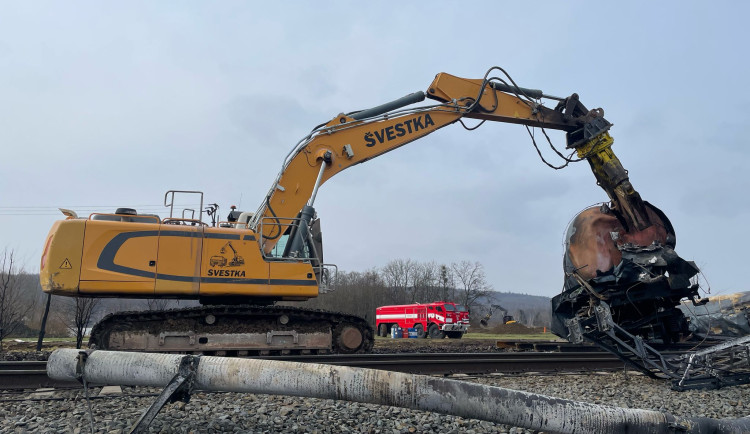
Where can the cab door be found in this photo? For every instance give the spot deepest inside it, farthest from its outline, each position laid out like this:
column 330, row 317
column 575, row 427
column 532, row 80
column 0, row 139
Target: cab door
column 178, row 263
column 410, row 317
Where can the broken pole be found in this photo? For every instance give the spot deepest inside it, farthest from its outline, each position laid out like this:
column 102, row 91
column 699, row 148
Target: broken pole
column 418, row 392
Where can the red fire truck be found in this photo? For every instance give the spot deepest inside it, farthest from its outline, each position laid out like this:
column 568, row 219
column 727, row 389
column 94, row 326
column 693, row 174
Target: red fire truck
column 436, row 320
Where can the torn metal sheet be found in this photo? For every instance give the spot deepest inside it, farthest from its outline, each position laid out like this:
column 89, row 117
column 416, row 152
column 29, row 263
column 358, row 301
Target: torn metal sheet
column 722, row 316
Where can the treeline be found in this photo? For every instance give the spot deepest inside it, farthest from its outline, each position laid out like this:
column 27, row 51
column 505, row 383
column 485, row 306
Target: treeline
column 405, row 281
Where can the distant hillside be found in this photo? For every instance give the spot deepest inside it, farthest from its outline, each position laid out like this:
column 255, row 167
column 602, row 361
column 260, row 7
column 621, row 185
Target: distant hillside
column 530, row 310
column 515, row 300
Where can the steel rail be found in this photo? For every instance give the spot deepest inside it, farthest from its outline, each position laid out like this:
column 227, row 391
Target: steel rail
column 467, row 363
column 28, row 375
column 535, row 345
column 33, row 374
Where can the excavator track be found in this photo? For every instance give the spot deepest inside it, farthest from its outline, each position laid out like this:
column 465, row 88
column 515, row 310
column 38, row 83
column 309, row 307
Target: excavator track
column 241, row 330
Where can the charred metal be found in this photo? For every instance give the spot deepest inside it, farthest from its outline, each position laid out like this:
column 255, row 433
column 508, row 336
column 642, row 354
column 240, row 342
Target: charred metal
column 625, row 294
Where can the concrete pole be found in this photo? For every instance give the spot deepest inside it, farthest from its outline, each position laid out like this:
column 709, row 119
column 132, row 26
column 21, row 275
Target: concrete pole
column 469, row 400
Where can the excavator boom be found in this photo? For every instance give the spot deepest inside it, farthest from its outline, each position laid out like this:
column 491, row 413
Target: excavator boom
column 354, row 138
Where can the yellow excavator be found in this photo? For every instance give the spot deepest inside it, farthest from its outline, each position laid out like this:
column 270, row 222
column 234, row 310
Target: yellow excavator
column 507, row 319
column 131, row 255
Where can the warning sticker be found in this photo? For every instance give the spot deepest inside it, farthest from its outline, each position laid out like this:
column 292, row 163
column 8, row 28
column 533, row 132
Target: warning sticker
column 66, row 265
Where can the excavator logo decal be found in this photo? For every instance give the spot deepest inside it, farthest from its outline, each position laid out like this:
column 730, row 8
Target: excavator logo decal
column 223, row 261
column 400, row 129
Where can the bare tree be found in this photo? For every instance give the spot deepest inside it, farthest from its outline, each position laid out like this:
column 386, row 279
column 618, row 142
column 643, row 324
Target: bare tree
column 358, row 293
column 539, row 318
column 13, row 305
column 398, row 275
column 471, row 281
column 79, row 316
column 158, row 303
column 522, row 317
column 446, row 282
column 425, row 278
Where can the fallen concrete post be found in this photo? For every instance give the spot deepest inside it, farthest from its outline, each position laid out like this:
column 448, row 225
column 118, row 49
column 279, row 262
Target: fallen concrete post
column 458, row 398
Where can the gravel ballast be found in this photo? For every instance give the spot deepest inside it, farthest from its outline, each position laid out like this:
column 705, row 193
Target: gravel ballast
column 232, row 412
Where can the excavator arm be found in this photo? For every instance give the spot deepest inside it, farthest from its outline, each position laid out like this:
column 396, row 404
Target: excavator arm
column 607, row 248
column 353, row 138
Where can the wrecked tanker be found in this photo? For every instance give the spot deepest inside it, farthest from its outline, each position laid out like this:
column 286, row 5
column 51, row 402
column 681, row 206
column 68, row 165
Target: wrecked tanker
column 624, row 289
column 637, row 273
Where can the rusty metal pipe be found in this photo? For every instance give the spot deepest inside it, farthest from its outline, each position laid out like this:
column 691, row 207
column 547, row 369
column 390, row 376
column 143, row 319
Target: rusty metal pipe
column 458, row 398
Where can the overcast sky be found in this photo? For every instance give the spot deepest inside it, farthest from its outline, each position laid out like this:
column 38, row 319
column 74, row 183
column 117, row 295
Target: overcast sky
column 105, row 105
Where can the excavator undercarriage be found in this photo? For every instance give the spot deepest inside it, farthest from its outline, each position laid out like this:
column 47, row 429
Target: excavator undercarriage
column 234, row 331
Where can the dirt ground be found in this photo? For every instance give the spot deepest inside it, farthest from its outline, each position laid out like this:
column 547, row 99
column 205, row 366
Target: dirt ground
column 468, row 344
column 509, row 329
column 26, row 350
column 388, row 345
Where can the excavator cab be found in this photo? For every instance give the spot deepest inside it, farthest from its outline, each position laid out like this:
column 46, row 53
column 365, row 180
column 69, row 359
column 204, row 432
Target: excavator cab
column 300, row 239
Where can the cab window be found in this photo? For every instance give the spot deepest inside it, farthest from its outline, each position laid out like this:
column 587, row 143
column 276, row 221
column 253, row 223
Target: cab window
column 449, row 308
column 278, row 249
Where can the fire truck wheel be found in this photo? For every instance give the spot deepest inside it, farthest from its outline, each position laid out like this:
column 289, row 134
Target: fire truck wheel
column 420, row 331
column 383, row 330
column 434, row 331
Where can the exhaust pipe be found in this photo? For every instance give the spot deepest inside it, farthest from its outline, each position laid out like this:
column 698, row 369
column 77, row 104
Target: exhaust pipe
column 418, row 392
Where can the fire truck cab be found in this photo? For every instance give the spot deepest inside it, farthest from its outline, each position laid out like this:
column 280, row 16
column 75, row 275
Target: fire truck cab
column 436, row 320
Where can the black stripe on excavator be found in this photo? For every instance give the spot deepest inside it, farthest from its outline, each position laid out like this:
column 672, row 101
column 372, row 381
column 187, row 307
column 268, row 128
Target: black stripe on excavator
column 297, row 282
column 107, row 261
column 107, row 258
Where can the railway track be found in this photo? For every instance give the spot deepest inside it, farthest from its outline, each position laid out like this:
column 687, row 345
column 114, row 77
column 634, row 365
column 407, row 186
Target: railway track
column 469, row 363
column 33, row 374
column 28, row 375
column 534, row 345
